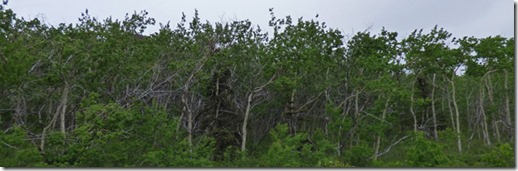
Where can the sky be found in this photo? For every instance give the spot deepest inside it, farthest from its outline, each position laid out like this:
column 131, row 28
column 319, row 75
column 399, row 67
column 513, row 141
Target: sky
column 478, row 18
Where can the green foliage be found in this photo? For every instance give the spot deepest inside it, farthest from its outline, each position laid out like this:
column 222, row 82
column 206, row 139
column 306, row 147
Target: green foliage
column 358, row 155
column 501, row 155
column 284, row 150
column 299, row 150
column 424, row 153
column 156, row 100
column 321, row 152
column 16, row 151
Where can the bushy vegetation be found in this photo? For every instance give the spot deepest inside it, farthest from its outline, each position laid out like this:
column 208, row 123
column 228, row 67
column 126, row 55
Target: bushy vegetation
column 101, row 94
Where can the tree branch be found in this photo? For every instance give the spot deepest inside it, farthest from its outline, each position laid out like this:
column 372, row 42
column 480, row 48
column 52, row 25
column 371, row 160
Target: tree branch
column 8, row 145
column 388, row 149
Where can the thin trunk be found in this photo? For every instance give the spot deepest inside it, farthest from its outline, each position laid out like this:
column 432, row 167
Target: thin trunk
column 507, row 108
column 485, row 133
column 39, row 115
column 450, row 109
column 186, row 110
column 292, row 114
column 186, row 88
column 44, row 133
column 189, row 122
column 477, row 120
column 412, row 108
column 485, row 80
column 456, row 113
column 377, row 147
column 492, row 103
column 433, row 109
column 247, row 112
column 489, row 89
column 378, row 139
column 356, row 106
column 180, row 119
column 64, row 101
column 21, row 110
column 356, row 115
column 497, row 131
column 469, row 117
column 443, row 108
column 245, row 122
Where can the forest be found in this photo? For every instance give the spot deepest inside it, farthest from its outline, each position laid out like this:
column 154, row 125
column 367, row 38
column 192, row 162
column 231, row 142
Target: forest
column 99, row 93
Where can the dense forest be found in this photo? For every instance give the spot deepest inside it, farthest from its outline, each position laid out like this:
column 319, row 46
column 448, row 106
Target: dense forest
column 99, row 93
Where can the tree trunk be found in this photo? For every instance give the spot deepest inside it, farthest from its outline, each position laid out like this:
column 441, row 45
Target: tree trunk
column 469, row 118
column 245, row 122
column 497, row 131
column 507, row 108
column 20, row 111
column 412, row 108
column 491, row 104
column 484, row 81
column 450, row 109
column 378, row 139
column 249, row 107
column 433, row 110
column 356, row 108
column 356, row 117
column 189, row 121
column 44, row 132
column 186, row 110
column 485, row 133
column 64, row 101
column 459, row 144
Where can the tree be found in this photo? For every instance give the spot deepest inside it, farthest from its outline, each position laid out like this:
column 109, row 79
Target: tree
column 226, row 94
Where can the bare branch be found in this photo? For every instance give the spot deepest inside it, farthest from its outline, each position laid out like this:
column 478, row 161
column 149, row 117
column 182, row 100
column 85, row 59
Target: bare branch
column 388, row 149
column 8, row 145
column 375, row 117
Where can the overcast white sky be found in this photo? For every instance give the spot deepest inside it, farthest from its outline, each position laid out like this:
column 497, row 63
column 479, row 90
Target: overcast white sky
column 479, row 18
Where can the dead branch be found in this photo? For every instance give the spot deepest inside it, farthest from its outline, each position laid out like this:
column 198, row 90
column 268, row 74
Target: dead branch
column 8, row 145
column 388, row 149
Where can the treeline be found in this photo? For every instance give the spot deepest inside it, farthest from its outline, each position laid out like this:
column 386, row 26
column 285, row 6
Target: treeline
column 201, row 94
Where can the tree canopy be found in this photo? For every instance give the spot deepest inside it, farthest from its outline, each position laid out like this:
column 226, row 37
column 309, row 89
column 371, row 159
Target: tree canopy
column 98, row 93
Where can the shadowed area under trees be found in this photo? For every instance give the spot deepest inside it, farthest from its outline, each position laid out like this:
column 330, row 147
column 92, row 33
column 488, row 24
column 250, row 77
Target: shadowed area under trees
column 100, row 94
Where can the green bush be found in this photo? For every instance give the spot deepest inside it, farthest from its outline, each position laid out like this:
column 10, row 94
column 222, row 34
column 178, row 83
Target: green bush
column 422, row 152
column 16, row 151
column 359, row 155
column 501, row 155
column 283, row 151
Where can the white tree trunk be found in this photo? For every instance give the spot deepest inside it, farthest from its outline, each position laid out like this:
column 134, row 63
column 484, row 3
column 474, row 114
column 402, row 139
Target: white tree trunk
column 459, row 144
column 245, row 122
column 433, row 109
column 378, row 139
column 64, row 101
column 484, row 118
